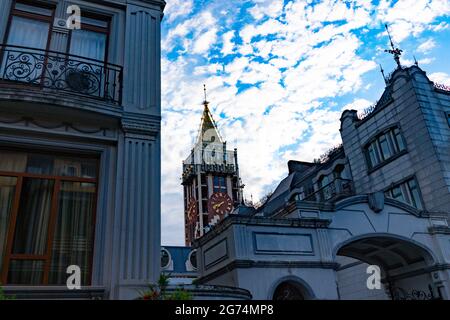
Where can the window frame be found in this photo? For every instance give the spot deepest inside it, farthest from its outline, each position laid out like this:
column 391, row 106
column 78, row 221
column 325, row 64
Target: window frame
column 219, row 187
column 15, row 12
column 103, row 30
column 53, row 219
column 395, row 142
column 407, row 192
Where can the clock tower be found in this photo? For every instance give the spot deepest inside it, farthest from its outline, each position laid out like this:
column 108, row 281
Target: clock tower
column 212, row 187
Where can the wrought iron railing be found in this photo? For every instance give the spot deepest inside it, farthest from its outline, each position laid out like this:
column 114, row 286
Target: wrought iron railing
column 337, row 188
column 62, row 72
column 442, row 87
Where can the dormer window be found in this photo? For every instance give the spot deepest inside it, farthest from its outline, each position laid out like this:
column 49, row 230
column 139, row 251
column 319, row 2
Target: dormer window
column 384, row 147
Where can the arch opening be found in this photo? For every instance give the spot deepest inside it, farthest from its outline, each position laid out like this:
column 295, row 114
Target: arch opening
column 290, row 289
column 403, row 264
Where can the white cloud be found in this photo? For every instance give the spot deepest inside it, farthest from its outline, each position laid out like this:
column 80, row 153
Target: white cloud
column 204, row 42
column 177, row 8
column 426, row 46
column 407, row 17
column 440, row 77
column 228, row 45
column 296, row 62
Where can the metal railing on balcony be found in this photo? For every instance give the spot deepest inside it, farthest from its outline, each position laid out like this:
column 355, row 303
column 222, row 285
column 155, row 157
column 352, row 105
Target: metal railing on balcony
column 335, row 189
column 62, row 72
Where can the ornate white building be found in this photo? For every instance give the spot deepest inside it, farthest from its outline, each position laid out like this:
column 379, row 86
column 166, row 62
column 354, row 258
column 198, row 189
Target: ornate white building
column 381, row 199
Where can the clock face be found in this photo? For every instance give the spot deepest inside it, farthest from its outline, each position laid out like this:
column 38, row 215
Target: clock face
column 218, row 205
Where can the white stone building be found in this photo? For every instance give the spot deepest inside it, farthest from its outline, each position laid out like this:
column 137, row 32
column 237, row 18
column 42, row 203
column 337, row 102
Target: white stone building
column 382, row 199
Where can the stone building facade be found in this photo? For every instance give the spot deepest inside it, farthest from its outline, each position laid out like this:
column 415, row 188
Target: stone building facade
column 381, row 199
column 80, row 116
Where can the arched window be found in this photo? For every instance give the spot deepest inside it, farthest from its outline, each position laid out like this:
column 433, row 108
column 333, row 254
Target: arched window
column 165, row 258
column 337, row 172
column 288, row 290
column 323, row 181
column 193, row 259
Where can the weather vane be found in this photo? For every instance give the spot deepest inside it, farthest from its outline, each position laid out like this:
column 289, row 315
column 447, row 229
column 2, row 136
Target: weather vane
column 394, row 51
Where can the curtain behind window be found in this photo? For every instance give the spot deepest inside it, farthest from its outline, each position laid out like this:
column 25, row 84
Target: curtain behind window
column 31, row 34
column 7, row 189
column 72, row 244
column 88, row 44
column 33, row 217
column 28, row 33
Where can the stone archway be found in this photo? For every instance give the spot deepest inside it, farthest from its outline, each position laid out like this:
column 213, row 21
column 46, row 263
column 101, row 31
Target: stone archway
column 404, row 264
column 291, row 288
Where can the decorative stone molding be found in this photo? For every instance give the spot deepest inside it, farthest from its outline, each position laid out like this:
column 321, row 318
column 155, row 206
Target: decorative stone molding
column 139, row 127
column 260, row 221
column 246, row 264
column 376, row 201
column 59, row 127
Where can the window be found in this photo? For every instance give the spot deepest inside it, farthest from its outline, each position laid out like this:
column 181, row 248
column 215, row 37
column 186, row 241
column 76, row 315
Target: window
column 193, row 259
column 448, row 119
column 220, row 184
column 407, row 192
column 323, row 181
column 165, row 258
column 92, row 39
column 30, row 25
column 384, row 147
column 47, row 217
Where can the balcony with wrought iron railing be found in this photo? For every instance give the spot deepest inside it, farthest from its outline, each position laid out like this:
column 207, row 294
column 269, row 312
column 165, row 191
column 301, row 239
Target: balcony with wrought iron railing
column 336, row 189
column 62, row 72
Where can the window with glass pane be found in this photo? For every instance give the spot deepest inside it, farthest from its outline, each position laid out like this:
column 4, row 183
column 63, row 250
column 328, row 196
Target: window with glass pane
column 7, row 190
column 384, row 146
column 74, row 231
column 28, row 32
column 88, row 44
column 407, row 192
column 91, row 40
column 30, row 236
column 220, row 184
column 54, row 216
column 30, row 28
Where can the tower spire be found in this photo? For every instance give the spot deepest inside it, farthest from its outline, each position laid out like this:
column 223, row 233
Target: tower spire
column 207, row 124
column 394, row 51
column 205, row 102
column 415, row 61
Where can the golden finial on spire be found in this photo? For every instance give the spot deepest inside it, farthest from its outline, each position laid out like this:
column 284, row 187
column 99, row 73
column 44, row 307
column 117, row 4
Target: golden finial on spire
column 205, row 102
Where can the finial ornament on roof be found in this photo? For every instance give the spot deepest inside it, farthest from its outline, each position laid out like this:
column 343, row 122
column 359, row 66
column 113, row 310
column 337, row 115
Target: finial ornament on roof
column 384, row 77
column 394, row 51
column 415, row 61
column 205, row 102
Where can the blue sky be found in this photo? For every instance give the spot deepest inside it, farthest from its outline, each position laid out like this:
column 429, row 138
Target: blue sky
column 279, row 74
